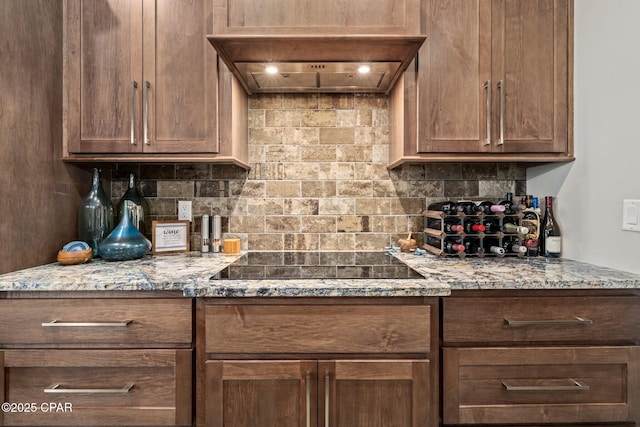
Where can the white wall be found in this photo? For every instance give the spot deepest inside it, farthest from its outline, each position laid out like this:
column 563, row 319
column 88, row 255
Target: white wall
column 607, row 138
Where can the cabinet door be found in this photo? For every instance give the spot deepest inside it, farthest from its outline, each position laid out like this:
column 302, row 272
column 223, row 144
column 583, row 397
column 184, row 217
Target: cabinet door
column 179, row 89
column 261, row 393
column 454, row 64
column 103, row 59
column 96, row 387
column 375, row 393
column 530, row 40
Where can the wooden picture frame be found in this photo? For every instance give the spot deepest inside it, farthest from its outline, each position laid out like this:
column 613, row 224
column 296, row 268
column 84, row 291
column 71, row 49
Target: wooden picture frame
column 169, row 236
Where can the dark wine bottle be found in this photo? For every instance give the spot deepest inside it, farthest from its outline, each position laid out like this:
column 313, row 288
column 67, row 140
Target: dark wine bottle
column 491, row 226
column 448, row 207
column 452, row 226
column 551, row 236
column 511, row 245
column 451, row 245
column 510, row 207
column 472, row 246
column 469, row 208
column 473, row 226
column 448, row 245
column 490, row 208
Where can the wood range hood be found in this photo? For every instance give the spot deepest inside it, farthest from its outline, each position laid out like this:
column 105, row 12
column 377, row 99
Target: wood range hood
column 330, row 63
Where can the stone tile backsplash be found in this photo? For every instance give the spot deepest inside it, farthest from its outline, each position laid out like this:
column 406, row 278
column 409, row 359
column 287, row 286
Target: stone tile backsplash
column 318, row 179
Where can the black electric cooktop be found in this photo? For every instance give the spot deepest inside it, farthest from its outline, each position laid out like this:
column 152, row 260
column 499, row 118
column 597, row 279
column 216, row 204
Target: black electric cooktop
column 317, row 265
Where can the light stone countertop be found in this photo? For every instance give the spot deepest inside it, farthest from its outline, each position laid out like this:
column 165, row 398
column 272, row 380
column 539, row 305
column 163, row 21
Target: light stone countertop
column 193, row 274
column 519, row 273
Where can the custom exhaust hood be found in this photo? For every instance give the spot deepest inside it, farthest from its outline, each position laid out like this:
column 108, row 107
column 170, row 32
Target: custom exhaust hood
column 348, row 63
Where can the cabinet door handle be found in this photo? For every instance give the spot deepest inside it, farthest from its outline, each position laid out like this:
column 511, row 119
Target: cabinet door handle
column 500, row 141
column 145, row 111
column 580, row 321
column 55, row 388
column 308, row 398
column 327, row 395
column 132, row 124
column 576, row 386
column 58, row 324
column 487, row 88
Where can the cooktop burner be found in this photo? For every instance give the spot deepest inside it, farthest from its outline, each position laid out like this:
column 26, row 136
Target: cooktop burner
column 317, row 265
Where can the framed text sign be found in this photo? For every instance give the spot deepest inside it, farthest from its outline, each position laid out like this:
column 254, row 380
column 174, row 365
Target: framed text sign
column 170, row 236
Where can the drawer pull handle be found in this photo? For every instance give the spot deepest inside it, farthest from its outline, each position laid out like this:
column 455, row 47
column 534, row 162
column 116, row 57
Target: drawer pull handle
column 55, row 388
column 577, row 321
column 58, row 324
column 308, row 396
column 577, row 386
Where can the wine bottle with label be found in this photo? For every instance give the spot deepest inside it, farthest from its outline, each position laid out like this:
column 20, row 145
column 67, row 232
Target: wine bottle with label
column 448, row 245
column 491, row 225
column 510, row 207
column 551, row 236
column 490, row 208
column 511, row 245
column 473, row 247
column 469, row 208
column 473, row 226
column 511, row 228
column 448, row 207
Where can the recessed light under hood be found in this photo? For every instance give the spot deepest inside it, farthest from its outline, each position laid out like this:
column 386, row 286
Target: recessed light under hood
column 317, row 64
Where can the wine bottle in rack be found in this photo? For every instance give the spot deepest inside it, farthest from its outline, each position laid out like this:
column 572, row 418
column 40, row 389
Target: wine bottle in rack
column 469, row 208
column 491, row 225
column 511, row 228
column 512, row 245
column 472, row 246
column 448, row 245
column 510, row 207
column 473, row 226
column 452, row 226
column 448, row 207
column 493, row 246
column 551, row 236
column 490, row 208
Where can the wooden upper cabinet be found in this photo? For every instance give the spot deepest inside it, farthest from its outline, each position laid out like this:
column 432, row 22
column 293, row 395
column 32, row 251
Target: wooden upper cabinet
column 311, row 17
column 141, row 80
column 492, row 82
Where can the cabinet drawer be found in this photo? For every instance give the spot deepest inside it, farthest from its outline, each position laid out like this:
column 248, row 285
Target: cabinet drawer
column 372, row 329
column 98, row 387
column 540, row 385
column 73, row 322
column 542, row 319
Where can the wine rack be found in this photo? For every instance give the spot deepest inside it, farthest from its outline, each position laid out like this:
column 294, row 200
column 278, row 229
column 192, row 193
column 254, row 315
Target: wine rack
column 436, row 237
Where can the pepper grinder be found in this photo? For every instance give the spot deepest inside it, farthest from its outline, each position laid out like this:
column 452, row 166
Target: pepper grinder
column 204, row 233
column 216, row 234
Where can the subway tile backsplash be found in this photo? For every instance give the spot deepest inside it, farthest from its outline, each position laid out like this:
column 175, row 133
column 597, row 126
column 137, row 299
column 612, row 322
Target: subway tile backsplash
column 318, row 179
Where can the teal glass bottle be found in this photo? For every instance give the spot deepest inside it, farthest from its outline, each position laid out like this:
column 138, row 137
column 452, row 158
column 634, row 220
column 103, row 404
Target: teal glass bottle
column 125, row 242
column 136, row 206
column 95, row 214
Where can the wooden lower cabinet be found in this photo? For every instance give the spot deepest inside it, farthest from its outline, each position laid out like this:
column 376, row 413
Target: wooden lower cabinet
column 301, row 393
column 541, row 358
column 315, row 362
column 97, row 387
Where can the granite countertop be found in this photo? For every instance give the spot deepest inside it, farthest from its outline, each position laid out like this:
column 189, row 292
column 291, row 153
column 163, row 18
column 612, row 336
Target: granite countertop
column 193, row 275
column 519, row 273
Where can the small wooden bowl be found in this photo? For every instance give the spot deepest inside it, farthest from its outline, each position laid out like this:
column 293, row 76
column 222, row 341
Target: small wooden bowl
column 75, row 257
